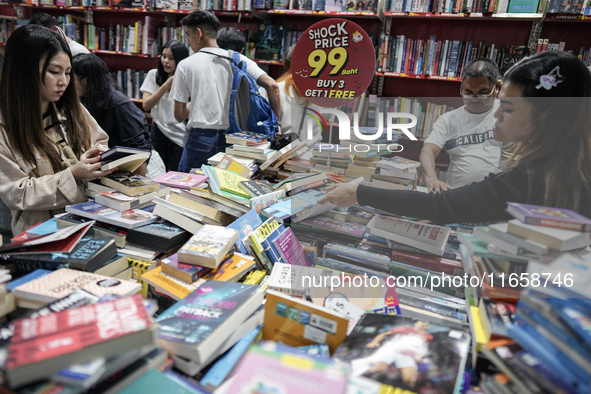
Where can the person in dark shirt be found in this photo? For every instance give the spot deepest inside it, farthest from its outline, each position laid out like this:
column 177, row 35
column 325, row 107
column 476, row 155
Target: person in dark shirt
column 117, row 115
column 545, row 114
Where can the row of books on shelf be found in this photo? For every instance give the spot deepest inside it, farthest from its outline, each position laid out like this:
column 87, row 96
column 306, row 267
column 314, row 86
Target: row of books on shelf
column 130, row 82
column 448, row 58
column 544, row 44
column 472, row 6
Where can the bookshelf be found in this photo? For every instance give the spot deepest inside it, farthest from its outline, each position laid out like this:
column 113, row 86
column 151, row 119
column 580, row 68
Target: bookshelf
column 501, row 29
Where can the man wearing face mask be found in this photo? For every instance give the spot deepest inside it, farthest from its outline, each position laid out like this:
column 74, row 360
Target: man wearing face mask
column 466, row 133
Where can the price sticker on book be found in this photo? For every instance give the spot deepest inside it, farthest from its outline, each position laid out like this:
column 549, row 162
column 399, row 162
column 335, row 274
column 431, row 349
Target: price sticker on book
column 333, row 62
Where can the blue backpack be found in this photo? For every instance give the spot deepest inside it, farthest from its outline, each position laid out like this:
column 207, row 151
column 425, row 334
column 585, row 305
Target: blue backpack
column 249, row 111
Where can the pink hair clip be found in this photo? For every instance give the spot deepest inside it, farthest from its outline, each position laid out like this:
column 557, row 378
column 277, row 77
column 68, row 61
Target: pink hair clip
column 550, row 80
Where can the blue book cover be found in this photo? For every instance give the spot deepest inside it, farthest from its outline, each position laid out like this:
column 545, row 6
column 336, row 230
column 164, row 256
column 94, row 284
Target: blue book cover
column 543, row 314
column 193, row 319
column 45, row 228
column 542, row 349
column 27, row 278
column 269, row 248
column 245, row 225
column 280, row 210
column 224, row 365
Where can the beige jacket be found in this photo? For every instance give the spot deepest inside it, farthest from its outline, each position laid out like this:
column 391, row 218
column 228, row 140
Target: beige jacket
column 32, row 191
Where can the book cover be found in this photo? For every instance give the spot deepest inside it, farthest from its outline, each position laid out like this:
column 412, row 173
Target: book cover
column 208, row 246
column 65, row 281
column 245, row 225
column 324, row 224
column 245, row 138
column 298, row 322
column 555, row 238
column 161, row 237
column 129, row 219
column 186, row 272
column 154, row 381
column 40, row 347
column 406, row 353
column 496, row 316
column 290, row 249
column 181, row 180
column 549, row 217
column 398, row 163
column 229, row 164
column 195, row 326
column 266, row 200
column 233, row 269
column 430, row 238
column 90, row 254
column 130, row 183
column 523, row 7
column 117, row 200
column 230, row 182
column 169, row 285
column 274, row 368
column 123, row 158
column 256, row 188
column 268, row 45
column 257, row 237
column 63, row 240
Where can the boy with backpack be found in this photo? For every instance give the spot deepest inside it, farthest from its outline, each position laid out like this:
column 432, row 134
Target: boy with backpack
column 202, row 90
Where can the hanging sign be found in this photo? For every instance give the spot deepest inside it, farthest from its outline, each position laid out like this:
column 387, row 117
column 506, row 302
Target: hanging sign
column 333, row 62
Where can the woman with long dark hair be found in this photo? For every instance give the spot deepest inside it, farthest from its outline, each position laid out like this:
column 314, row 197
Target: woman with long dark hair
column 48, row 142
column 168, row 134
column 545, row 114
column 121, row 119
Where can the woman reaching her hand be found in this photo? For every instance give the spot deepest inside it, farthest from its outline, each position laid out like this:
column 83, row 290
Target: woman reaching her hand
column 545, row 114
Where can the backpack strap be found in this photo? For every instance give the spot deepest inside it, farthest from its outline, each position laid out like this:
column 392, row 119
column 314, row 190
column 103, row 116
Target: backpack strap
column 235, row 59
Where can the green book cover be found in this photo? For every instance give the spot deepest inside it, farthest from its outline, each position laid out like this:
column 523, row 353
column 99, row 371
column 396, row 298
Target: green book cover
column 523, row 7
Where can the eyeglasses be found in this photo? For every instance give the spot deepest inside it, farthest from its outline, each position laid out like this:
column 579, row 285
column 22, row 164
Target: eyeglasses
column 480, row 96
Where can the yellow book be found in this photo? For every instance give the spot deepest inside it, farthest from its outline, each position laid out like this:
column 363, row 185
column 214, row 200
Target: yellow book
column 261, row 233
column 139, row 267
column 255, row 277
column 478, row 328
column 230, row 182
column 169, row 285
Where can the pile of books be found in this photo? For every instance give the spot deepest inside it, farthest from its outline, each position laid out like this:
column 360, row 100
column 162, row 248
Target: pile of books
column 527, row 315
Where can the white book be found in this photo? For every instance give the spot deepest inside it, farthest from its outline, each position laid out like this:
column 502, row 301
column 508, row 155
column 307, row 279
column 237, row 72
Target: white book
column 499, row 231
column 555, row 238
column 427, row 237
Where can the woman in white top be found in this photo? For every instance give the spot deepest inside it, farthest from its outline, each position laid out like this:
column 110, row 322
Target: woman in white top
column 168, row 134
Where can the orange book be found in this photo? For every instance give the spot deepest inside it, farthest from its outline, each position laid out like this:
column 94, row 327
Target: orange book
column 169, row 285
column 297, row 322
column 232, row 269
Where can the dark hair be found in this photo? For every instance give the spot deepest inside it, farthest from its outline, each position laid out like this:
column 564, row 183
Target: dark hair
column 482, row 68
column 20, row 95
column 98, row 81
column 231, row 38
column 561, row 141
column 204, row 20
column 43, row 19
column 179, row 52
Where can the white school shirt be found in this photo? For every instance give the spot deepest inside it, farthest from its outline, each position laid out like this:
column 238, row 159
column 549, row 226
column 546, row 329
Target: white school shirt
column 206, row 81
column 163, row 112
column 468, row 139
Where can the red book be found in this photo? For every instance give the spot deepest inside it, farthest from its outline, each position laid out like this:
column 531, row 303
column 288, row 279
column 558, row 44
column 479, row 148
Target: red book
column 437, row 54
column 41, row 347
column 432, row 263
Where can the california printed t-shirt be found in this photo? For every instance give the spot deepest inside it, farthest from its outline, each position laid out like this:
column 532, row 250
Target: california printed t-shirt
column 206, row 81
column 468, row 139
column 163, row 112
